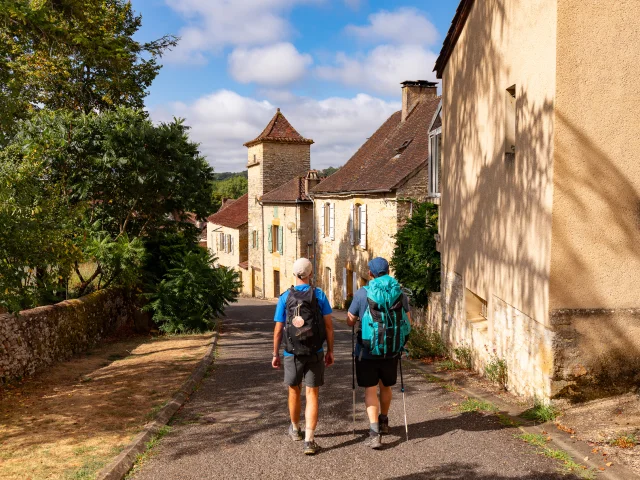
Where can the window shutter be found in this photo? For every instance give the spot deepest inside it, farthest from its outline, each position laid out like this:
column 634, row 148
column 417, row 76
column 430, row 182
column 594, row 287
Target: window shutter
column 270, row 241
column 352, row 218
column 355, row 282
column 231, row 244
column 217, row 243
column 281, row 240
column 344, row 284
column 332, row 221
column 322, row 224
column 363, row 226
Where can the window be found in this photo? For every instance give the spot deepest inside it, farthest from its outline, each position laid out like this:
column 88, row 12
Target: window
column 510, row 122
column 254, row 239
column 229, row 244
column 435, row 162
column 358, row 226
column 222, row 242
column 475, row 307
column 276, row 239
column 328, row 220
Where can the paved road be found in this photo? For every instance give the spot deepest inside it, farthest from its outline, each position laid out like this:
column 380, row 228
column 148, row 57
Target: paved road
column 234, row 426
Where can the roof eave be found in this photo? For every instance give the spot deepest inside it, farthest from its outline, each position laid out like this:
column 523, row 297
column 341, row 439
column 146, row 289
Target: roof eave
column 306, row 141
column 457, row 25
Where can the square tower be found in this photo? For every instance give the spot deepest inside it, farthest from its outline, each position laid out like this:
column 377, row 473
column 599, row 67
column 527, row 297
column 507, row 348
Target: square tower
column 275, row 157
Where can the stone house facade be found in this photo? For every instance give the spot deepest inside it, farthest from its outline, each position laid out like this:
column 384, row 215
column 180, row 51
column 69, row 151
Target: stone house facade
column 227, row 237
column 539, row 228
column 359, row 209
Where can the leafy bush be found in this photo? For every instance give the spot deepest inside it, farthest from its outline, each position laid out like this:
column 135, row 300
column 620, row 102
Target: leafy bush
column 496, row 370
column 464, row 356
column 415, row 259
column 192, row 294
column 425, row 343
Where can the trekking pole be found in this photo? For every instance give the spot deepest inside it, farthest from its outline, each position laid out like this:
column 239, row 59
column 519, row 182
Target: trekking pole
column 353, row 376
column 404, row 403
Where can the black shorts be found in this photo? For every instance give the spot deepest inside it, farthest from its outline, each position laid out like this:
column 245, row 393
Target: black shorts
column 309, row 368
column 370, row 371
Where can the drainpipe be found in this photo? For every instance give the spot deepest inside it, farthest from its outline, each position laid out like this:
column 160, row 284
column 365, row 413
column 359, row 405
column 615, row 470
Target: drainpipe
column 313, row 247
column 263, row 270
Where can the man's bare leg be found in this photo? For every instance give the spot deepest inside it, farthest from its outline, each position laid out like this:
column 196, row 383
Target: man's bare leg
column 294, row 405
column 311, row 413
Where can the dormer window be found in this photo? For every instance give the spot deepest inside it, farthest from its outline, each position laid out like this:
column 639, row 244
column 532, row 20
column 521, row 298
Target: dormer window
column 404, row 145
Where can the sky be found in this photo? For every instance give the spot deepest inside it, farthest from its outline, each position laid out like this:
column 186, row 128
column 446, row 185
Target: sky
column 333, row 67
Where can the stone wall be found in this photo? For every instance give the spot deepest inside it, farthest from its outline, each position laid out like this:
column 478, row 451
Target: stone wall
column 39, row 337
column 597, row 352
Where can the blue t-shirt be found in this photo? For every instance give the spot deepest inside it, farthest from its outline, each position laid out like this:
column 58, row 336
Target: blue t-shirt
column 281, row 308
column 358, row 308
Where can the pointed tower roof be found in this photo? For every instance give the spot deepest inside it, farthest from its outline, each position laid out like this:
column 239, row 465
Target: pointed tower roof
column 279, row 130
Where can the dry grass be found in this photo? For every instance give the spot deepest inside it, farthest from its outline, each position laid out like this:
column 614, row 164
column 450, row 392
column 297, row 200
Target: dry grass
column 72, row 419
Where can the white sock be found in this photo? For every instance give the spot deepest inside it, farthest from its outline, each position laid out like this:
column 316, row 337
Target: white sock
column 308, row 435
column 295, row 426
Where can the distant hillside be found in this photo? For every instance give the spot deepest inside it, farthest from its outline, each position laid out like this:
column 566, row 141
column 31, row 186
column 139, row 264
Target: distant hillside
column 226, row 175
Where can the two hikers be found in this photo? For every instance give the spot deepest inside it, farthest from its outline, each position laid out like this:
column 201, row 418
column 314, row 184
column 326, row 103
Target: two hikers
column 377, row 361
column 303, row 318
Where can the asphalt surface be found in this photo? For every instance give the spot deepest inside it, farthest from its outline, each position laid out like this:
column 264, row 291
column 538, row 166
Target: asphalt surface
column 234, row 426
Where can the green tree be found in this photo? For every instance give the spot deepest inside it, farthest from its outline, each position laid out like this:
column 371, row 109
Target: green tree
column 415, row 259
column 79, row 55
column 38, row 237
column 128, row 176
column 329, row 171
column 232, row 187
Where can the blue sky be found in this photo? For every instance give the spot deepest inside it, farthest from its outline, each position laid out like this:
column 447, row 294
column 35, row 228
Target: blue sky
column 333, row 66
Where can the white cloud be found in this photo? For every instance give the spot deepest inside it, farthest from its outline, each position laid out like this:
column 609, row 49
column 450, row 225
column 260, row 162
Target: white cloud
column 274, row 65
column 352, row 4
column 215, row 24
column 224, row 120
column 403, row 26
column 382, row 69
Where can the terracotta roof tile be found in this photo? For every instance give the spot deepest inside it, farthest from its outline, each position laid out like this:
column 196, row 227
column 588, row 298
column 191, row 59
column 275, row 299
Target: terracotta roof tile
column 234, row 215
column 457, row 25
column 279, row 130
column 292, row 191
column 381, row 163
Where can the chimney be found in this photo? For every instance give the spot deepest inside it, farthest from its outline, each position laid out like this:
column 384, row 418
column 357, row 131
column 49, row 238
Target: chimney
column 413, row 91
column 311, row 180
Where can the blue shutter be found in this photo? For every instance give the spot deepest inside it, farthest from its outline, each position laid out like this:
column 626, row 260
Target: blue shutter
column 270, row 240
column 281, row 240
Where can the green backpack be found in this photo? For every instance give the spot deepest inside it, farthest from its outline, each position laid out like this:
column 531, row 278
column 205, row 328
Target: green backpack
column 385, row 325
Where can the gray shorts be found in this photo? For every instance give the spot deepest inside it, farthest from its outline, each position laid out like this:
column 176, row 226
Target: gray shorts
column 309, row 368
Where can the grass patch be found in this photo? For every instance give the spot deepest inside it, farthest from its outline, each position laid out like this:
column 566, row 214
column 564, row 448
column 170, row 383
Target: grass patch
column 496, row 370
column 533, row 439
column 425, row 343
column 87, row 472
column 568, row 464
column 477, row 405
column 541, row 412
column 449, row 364
column 144, row 456
column 464, row 356
column 507, row 421
column 625, row 441
column 154, row 411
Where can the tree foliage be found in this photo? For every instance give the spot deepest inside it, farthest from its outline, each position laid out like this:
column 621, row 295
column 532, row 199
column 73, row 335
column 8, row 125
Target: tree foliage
column 78, row 55
column 128, row 178
column 415, row 259
column 232, row 187
column 192, row 294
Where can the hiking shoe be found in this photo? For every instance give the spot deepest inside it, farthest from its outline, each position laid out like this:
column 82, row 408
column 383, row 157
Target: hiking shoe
column 383, row 423
column 295, row 435
column 374, row 441
column 311, row 448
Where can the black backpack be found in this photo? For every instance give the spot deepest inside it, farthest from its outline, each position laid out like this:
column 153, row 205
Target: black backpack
column 307, row 337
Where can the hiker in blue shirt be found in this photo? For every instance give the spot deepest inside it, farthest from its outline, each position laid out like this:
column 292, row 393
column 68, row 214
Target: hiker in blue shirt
column 375, row 371
column 303, row 318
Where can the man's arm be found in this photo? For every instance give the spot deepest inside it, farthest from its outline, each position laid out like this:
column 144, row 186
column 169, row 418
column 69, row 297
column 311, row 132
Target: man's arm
column 277, row 339
column 328, row 326
column 351, row 319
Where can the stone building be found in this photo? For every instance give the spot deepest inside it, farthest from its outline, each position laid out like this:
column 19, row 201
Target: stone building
column 279, row 209
column 540, row 207
column 359, row 208
column 227, row 237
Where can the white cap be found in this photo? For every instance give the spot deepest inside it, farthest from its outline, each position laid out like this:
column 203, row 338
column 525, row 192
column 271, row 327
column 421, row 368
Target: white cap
column 302, row 268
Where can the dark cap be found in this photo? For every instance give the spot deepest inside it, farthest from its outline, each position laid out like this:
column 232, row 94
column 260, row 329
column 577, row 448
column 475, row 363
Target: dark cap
column 378, row 266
